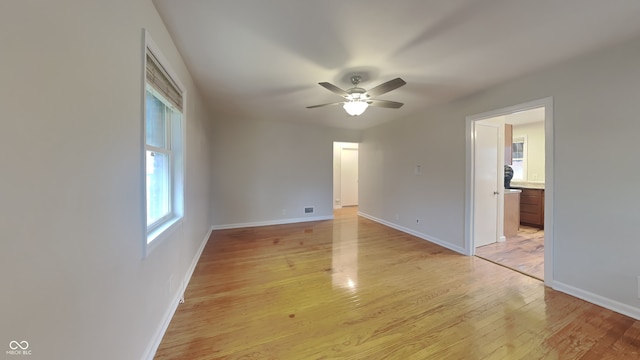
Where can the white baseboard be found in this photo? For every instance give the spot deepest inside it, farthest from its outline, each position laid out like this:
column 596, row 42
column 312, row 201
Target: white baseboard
column 270, row 222
column 607, row 303
column 177, row 299
column 429, row 238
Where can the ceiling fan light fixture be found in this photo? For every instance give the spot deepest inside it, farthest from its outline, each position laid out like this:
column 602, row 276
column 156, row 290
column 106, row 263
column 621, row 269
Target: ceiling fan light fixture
column 355, row 107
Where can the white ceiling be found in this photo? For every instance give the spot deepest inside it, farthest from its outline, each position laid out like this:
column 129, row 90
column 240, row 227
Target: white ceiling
column 263, row 59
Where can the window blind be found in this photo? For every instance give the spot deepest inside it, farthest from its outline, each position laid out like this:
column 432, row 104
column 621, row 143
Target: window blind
column 158, row 78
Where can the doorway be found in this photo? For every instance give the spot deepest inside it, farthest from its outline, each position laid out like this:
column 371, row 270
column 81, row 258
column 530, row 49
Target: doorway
column 345, row 174
column 473, row 200
column 522, row 245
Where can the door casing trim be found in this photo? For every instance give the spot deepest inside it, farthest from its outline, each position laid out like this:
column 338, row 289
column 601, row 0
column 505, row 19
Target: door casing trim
column 547, row 103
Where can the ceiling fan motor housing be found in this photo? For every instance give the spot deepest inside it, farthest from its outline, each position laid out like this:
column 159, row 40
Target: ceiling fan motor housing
column 357, row 93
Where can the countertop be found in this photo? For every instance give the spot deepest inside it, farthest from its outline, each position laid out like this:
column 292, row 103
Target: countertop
column 527, row 184
column 512, row 191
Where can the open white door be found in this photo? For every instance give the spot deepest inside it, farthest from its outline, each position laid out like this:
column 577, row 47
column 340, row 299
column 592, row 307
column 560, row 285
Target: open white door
column 487, row 184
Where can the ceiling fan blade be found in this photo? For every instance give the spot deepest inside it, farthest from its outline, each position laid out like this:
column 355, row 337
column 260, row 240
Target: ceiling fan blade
column 321, row 105
column 385, row 104
column 334, row 89
column 386, row 87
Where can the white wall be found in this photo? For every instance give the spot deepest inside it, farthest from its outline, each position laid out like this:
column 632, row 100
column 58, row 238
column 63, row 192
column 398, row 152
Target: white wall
column 391, row 191
column 267, row 172
column 534, row 133
column 74, row 283
column 596, row 118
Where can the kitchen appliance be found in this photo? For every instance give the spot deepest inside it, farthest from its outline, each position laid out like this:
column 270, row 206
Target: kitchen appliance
column 508, row 175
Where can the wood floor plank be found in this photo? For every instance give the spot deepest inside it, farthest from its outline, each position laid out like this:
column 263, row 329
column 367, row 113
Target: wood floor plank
column 350, row 288
column 523, row 252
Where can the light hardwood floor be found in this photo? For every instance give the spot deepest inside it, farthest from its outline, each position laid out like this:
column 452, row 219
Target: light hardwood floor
column 523, row 252
column 353, row 289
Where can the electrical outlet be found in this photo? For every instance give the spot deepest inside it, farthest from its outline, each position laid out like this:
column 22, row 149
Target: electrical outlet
column 309, row 210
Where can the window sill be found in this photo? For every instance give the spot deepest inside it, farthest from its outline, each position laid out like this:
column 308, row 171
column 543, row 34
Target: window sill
column 159, row 234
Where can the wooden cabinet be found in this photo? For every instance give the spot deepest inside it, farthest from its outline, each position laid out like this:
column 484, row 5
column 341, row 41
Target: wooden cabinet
column 508, row 140
column 511, row 213
column 532, row 207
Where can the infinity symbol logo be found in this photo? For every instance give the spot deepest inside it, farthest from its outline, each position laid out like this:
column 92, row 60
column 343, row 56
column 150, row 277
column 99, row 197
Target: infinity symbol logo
column 23, row 345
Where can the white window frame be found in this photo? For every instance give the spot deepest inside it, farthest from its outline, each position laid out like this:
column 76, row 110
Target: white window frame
column 523, row 140
column 175, row 148
column 167, row 150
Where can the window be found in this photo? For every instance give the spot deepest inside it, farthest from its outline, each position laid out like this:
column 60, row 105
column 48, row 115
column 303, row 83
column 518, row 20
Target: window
column 519, row 151
column 163, row 150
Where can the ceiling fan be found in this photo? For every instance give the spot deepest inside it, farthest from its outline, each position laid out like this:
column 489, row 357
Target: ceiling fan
column 358, row 99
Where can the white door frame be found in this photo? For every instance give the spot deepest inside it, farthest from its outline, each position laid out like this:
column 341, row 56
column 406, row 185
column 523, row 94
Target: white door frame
column 337, row 171
column 547, row 103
